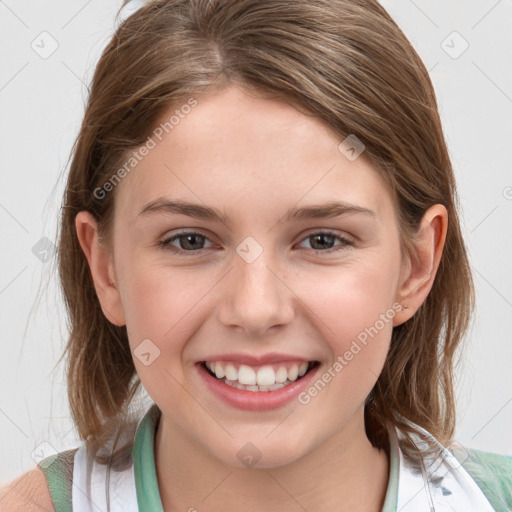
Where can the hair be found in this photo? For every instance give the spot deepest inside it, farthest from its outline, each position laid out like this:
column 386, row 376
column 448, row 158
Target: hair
column 344, row 61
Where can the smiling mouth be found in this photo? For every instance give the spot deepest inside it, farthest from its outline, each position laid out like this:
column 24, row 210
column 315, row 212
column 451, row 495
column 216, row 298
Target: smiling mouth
column 264, row 378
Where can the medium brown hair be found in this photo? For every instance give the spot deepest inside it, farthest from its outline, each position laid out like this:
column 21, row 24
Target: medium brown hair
column 345, row 61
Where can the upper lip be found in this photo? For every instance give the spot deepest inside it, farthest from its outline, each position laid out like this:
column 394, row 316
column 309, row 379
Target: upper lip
column 256, row 360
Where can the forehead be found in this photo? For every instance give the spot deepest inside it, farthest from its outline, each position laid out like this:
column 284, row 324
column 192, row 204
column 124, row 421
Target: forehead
column 237, row 151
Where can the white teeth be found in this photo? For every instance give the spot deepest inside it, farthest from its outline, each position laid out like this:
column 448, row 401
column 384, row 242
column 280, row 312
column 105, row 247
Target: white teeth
column 219, row 371
column 231, row 372
column 266, row 376
column 281, row 375
column 277, row 385
column 246, row 375
column 293, row 373
column 263, row 379
column 236, row 384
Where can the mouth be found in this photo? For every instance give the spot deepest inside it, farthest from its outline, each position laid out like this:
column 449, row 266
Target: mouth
column 264, row 378
column 257, row 388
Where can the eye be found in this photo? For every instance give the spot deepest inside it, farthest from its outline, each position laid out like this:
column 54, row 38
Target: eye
column 323, row 240
column 189, row 241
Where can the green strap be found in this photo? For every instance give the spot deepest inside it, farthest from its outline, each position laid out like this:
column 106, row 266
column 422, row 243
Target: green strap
column 391, row 500
column 491, row 472
column 58, row 470
column 146, row 482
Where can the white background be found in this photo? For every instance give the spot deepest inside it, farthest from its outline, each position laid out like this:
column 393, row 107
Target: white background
column 41, row 105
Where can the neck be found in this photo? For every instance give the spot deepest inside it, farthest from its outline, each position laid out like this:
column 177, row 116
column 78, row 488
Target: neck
column 345, row 473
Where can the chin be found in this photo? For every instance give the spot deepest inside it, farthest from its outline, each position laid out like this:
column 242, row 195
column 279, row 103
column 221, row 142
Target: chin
column 261, row 453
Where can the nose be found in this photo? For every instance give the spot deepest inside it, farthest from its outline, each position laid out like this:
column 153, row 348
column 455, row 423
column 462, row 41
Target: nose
column 256, row 296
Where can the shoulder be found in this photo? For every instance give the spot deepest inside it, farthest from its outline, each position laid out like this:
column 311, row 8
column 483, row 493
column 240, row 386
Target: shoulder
column 483, row 463
column 44, row 488
column 492, row 472
column 500, row 463
column 27, row 493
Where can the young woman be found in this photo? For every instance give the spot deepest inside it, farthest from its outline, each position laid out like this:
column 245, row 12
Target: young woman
column 260, row 230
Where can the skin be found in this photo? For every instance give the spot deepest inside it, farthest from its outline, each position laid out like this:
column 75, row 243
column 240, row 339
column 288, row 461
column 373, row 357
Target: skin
column 255, row 158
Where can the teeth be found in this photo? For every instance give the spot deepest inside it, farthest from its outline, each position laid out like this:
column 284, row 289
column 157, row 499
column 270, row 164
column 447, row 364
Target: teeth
column 293, row 373
column 231, row 372
column 219, row 371
column 265, row 378
column 276, row 386
column 236, row 384
column 281, row 374
column 246, row 375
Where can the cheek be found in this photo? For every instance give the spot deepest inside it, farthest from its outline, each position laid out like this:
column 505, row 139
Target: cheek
column 350, row 298
column 357, row 326
column 148, row 302
column 163, row 304
column 160, row 310
column 355, row 307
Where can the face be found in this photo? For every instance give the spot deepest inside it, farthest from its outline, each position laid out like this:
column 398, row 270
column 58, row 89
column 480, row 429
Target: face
column 265, row 290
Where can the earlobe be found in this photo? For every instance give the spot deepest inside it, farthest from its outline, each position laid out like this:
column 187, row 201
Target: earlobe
column 423, row 262
column 101, row 267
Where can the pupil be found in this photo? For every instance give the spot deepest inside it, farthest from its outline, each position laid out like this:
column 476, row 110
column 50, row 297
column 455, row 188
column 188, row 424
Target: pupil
column 323, row 237
column 187, row 238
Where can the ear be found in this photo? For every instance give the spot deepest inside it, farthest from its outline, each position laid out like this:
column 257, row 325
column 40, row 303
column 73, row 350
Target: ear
column 420, row 268
column 102, row 268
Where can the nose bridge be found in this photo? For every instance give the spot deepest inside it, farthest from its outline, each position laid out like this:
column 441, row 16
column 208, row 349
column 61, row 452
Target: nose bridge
column 255, row 276
column 257, row 299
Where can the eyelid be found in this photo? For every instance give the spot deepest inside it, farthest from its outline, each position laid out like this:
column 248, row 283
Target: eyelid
column 347, row 241
column 183, row 232
column 328, row 231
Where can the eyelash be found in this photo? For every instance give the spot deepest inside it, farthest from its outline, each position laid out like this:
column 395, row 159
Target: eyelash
column 166, row 244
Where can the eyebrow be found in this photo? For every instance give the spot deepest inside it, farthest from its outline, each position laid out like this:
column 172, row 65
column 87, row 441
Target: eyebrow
column 323, row 211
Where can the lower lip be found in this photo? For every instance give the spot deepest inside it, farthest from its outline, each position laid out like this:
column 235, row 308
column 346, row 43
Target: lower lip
column 256, row 400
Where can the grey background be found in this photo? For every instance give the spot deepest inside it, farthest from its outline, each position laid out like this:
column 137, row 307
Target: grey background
column 41, row 105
